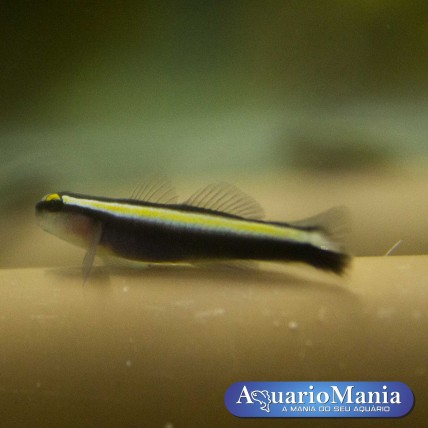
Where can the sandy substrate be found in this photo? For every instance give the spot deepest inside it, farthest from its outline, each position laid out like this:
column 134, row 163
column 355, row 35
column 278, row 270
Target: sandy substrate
column 159, row 347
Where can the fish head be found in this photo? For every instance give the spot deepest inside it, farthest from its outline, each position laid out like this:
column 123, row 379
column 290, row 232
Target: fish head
column 54, row 216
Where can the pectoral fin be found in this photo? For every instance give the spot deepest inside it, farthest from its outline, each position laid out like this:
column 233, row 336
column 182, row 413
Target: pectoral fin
column 88, row 260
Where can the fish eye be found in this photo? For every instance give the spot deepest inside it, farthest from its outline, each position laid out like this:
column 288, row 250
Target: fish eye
column 53, row 202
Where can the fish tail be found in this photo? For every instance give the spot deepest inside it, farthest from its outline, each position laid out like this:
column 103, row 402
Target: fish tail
column 327, row 260
column 328, row 235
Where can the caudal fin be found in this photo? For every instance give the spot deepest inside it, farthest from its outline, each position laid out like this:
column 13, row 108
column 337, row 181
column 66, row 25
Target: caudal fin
column 327, row 246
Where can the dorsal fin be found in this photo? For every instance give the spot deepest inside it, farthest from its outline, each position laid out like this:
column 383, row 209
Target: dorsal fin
column 155, row 189
column 226, row 198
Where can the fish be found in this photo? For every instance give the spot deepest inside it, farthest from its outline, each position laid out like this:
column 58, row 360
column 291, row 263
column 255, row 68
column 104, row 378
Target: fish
column 219, row 223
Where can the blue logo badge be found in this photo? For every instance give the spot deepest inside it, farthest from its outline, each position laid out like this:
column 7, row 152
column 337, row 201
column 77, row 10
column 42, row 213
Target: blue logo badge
column 319, row 399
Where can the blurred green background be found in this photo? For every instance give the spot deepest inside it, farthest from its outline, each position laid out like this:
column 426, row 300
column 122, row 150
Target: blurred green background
column 96, row 95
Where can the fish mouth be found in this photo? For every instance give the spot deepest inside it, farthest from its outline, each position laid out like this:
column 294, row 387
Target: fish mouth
column 40, row 215
column 39, row 207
